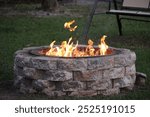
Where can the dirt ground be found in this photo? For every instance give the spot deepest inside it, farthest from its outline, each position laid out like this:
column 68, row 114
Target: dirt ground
column 9, row 92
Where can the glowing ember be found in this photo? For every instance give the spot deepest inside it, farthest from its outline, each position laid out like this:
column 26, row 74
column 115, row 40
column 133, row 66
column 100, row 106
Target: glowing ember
column 69, row 49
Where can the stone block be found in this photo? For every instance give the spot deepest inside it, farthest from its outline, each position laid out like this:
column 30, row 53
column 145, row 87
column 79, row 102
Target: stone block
column 18, row 80
column 116, row 83
column 140, row 79
column 42, row 84
column 89, row 75
column 114, row 73
column 112, row 91
column 30, row 72
column 130, row 70
column 99, row 85
column 25, row 89
column 125, row 59
column 100, row 63
column 58, row 75
column 132, row 56
column 44, row 63
column 72, row 64
column 72, row 86
column 22, row 60
column 53, row 93
column 127, row 81
column 18, row 71
column 101, row 92
column 58, row 85
column 83, row 93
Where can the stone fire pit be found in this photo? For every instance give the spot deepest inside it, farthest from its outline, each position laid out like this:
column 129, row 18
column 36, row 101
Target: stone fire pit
column 83, row 76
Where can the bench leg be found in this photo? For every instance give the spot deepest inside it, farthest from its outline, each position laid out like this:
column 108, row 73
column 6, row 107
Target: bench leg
column 119, row 25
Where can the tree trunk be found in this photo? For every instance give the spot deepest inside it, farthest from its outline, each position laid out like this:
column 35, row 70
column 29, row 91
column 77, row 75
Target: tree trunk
column 49, row 5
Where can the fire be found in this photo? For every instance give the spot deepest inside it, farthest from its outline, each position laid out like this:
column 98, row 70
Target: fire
column 69, row 49
column 90, row 49
column 67, row 25
column 103, row 47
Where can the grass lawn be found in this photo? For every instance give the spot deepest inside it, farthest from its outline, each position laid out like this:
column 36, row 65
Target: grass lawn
column 17, row 32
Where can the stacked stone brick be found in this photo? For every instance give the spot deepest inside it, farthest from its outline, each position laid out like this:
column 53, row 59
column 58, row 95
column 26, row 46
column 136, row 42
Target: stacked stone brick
column 88, row 76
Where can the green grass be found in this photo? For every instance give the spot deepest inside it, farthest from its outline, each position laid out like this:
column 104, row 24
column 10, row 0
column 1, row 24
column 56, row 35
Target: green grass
column 17, row 32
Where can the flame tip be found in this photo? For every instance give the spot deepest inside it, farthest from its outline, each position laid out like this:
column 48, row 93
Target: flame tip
column 67, row 25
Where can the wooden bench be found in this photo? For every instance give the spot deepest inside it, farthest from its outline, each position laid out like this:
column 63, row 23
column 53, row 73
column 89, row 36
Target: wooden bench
column 140, row 8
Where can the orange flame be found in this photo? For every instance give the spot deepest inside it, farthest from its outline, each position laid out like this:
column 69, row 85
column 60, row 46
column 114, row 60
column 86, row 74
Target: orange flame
column 68, row 49
column 67, row 25
column 90, row 49
column 103, row 46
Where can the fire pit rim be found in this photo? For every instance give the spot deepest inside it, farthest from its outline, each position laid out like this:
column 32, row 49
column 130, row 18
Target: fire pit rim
column 35, row 51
